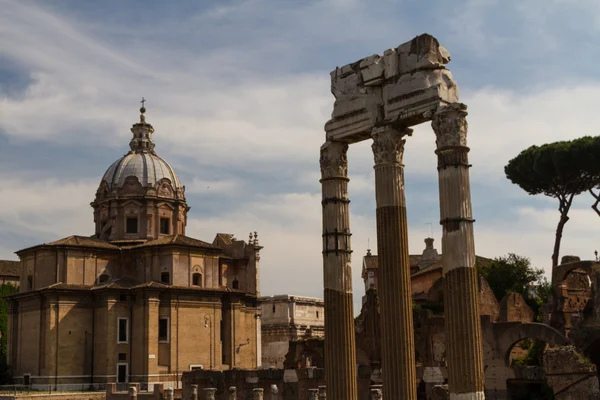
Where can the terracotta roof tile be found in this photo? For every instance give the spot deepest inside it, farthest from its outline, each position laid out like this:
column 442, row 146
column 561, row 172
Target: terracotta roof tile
column 9, row 268
column 77, row 241
column 180, row 240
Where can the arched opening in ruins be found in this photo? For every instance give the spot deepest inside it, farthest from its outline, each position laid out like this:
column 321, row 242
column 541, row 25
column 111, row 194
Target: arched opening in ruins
column 525, row 378
column 522, row 347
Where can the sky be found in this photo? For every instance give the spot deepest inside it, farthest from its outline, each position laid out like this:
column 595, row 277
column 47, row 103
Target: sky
column 238, row 93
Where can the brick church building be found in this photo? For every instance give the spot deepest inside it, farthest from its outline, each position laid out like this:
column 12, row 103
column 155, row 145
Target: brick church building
column 139, row 301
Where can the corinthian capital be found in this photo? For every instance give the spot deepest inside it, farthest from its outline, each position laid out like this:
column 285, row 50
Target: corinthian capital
column 450, row 125
column 388, row 145
column 333, row 159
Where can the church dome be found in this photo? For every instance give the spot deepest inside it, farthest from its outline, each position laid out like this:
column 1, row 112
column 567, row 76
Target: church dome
column 140, row 196
column 141, row 162
column 147, row 167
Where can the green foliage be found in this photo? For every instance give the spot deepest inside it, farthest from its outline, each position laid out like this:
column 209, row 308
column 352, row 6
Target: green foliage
column 560, row 170
column 557, row 169
column 534, row 354
column 511, row 273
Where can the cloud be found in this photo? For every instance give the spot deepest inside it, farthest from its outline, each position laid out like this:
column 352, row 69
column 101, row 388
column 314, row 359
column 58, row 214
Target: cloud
column 239, row 93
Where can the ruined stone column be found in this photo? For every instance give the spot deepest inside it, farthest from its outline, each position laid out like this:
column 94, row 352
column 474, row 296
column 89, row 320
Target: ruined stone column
column 397, row 338
column 376, row 392
column 132, row 393
column 258, row 393
column 274, row 392
column 209, row 394
column 340, row 352
column 322, row 393
column 461, row 307
column 232, row 393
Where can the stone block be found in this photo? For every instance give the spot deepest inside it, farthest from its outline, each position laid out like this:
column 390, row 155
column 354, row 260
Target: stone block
column 371, row 69
column 404, row 86
column 413, row 98
column 423, row 52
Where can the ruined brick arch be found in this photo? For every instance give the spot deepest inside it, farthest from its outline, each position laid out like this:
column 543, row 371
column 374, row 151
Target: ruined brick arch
column 591, row 268
column 508, row 334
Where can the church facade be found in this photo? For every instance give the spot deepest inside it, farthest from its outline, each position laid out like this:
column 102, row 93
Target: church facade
column 139, row 301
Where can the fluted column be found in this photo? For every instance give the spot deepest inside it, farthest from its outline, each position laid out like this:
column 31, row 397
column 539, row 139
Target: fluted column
column 397, row 337
column 340, row 353
column 461, row 308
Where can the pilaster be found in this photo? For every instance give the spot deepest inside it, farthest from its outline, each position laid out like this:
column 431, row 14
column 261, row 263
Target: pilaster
column 463, row 330
column 340, row 352
column 398, row 349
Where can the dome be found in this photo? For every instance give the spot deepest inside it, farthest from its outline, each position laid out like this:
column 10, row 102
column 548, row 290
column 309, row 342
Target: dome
column 147, row 167
column 141, row 162
column 140, row 196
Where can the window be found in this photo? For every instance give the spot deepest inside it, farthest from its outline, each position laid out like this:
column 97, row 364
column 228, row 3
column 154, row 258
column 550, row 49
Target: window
column 132, row 225
column 122, row 375
column 273, row 308
column 122, row 297
column 317, row 315
column 165, row 278
column 197, row 279
column 26, row 379
column 29, row 282
column 103, row 278
column 163, row 330
column 164, row 226
column 235, row 284
column 122, row 356
column 123, row 333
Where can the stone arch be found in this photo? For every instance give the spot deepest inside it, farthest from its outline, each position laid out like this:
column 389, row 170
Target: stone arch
column 591, row 268
column 197, row 276
column 508, row 334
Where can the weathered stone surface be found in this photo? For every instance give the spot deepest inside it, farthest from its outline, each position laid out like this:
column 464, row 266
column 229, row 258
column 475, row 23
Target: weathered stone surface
column 570, row 374
column 404, row 87
column 513, row 308
column 440, row 392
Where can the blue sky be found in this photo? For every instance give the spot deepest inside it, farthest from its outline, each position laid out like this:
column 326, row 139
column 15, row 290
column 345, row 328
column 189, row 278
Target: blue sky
column 238, row 92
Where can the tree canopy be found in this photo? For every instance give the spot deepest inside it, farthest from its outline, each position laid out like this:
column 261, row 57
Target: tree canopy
column 560, row 170
column 514, row 273
column 511, row 273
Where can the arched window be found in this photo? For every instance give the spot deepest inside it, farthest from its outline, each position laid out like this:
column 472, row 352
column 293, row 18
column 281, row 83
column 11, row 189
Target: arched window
column 197, row 279
column 235, row 284
column 165, row 278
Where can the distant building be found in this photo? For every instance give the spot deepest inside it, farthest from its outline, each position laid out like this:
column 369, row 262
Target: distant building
column 425, row 269
column 285, row 318
column 139, row 301
column 9, row 272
